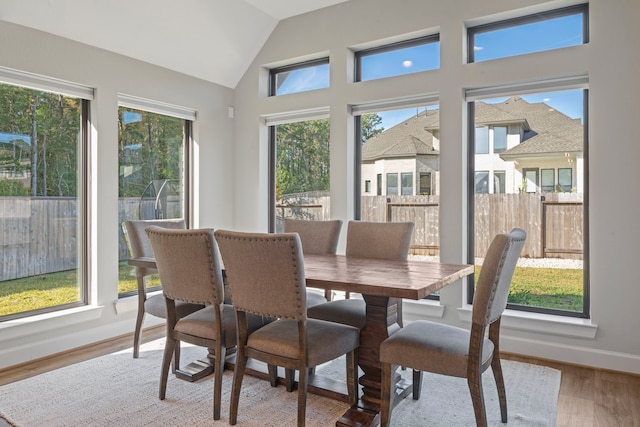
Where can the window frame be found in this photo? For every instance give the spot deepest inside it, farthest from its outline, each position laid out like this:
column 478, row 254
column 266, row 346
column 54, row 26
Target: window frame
column 582, row 9
column 469, row 280
column 542, row 177
column 273, row 72
column 397, row 186
column 563, row 186
column 405, row 44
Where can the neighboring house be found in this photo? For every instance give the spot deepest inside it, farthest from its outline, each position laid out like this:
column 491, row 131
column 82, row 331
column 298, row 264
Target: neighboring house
column 520, row 146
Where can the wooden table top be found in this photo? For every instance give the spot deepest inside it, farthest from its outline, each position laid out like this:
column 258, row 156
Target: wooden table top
column 400, row 279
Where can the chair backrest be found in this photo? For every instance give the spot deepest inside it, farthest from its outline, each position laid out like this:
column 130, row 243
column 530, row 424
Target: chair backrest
column 189, row 264
column 317, row 237
column 138, row 242
column 492, row 290
column 265, row 272
column 382, row 240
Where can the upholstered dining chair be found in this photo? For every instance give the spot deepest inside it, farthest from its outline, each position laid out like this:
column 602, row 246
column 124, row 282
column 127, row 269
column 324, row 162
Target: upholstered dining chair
column 317, row 237
column 449, row 350
column 139, row 246
column 266, row 277
column 190, row 270
column 381, row 240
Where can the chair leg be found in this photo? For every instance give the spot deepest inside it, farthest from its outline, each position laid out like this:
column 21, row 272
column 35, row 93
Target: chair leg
column 273, row 375
column 218, row 370
column 496, row 366
column 302, row 395
column 387, row 394
column 169, row 349
column 477, row 396
column 138, row 332
column 417, row 384
column 289, row 379
column 238, row 374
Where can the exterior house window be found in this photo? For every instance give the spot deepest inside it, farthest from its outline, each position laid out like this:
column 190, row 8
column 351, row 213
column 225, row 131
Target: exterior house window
column 499, row 139
column 531, row 180
column 482, row 140
column 367, row 186
column 482, row 182
column 564, row 179
column 407, row 183
column 499, row 182
column 425, row 183
column 547, row 180
column 392, row 184
column 379, row 184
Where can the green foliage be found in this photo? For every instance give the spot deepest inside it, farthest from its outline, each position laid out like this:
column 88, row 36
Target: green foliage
column 302, row 153
column 12, row 187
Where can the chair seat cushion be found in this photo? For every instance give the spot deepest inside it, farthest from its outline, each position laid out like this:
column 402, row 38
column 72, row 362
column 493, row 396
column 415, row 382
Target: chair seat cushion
column 351, row 312
column 314, row 298
column 432, row 347
column 329, row 340
column 156, row 306
column 202, row 324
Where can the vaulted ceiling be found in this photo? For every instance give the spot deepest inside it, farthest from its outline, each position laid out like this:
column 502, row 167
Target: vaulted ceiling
column 214, row 40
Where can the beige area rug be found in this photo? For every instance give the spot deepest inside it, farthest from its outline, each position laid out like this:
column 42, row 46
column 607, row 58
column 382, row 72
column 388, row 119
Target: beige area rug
column 117, row 390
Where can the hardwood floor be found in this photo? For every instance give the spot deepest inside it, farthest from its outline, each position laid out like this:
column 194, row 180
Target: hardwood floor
column 588, row 397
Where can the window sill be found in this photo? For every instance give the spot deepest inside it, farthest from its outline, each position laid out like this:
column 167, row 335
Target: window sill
column 60, row 319
column 130, row 303
column 421, row 308
column 542, row 323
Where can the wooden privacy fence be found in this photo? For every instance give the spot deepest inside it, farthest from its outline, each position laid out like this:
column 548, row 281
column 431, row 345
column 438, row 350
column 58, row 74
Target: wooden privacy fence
column 554, row 222
column 40, row 235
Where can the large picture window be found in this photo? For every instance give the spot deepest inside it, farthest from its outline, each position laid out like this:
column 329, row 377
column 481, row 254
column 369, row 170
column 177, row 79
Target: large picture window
column 152, row 177
column 553, row 128
column 300, row 171
column 43, row 151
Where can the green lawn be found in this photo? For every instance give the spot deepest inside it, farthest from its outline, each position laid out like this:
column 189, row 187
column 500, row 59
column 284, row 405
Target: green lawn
column 544, row 287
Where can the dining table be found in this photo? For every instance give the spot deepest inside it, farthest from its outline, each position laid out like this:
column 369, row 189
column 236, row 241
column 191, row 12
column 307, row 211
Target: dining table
column 381, row 283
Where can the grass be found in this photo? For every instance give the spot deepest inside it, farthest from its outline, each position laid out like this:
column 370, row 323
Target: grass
column 543, row 287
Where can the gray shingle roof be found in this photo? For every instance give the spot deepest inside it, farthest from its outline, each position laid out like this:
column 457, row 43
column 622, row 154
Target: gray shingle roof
column 546, row 131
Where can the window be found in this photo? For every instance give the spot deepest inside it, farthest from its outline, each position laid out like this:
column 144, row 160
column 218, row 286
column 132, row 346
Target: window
column 482, row 182
column 44, row 138
column 534, row 33
column 499, row 139
column 152, row 175
column 547, row 180
column 397, row 59
column 482, row 140
column 299, row 77
column 407, row 184
column 499, row 182
column 565, row 180
column 553, row 129
column 300, row 171
column 425, row 183
column 392, row 184
column 530, row 180
column 367, row 186
column 379, row 184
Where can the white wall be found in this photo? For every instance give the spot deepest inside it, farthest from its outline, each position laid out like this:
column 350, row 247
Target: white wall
column 36, row 52
column 610, row 338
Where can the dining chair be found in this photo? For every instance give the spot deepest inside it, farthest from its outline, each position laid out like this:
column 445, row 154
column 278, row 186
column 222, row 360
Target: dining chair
column 190, row 270
column 317, row 237
column 267, row 278
column 453, row 351
column 139, row 246
column 381, row 240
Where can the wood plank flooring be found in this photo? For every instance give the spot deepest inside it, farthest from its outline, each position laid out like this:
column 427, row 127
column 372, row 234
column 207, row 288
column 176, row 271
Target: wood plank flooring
column 588, row 397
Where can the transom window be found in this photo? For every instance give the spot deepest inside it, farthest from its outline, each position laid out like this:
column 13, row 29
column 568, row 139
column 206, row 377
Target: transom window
column 299, row 77
column 533, row 33
column 397, row 59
